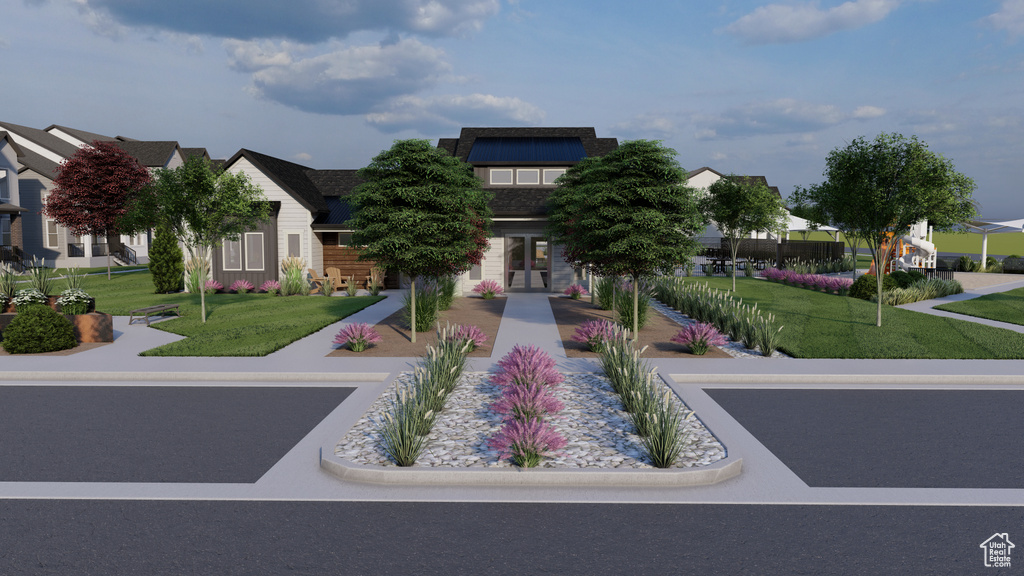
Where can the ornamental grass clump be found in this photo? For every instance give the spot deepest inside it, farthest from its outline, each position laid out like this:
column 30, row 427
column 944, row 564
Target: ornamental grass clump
column 212, row 286
column 527, row 442
column 533, row 401
column 767, row 335
column 525, row 365
column 446, row 286
column 605, row 289
column 41, row 278
column 624, row 304
column 666, row 438
column 197, row 270
column 575, row 291
column 358, row 337
column 293, row 270
column 699, row 337
column 401, row 425
column 73, row 278
column 468, row 334
column 426, row 308
column 8, row 283
column 272, row 287
column 594, row 333
column 241, row 286
column 73, row 302
column 488, row 289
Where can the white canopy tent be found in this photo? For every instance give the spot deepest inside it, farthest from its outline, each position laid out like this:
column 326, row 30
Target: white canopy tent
column 986, row 227
column 798, row 224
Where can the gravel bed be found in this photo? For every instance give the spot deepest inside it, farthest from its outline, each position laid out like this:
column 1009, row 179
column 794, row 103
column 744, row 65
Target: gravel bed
column 598, row 431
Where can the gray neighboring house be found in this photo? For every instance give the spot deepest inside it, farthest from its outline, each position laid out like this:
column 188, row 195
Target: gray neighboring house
column 39, row 154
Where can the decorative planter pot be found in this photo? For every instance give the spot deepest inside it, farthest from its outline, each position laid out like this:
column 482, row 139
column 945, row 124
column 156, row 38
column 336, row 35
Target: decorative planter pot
column 93, row 327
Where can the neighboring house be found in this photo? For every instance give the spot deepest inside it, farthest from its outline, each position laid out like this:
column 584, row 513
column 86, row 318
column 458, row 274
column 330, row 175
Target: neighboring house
column 11, row 245
column 701, row 178
column 40, row 153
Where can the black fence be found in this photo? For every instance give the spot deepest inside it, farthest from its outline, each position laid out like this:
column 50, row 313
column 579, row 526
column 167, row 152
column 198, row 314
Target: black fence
column 755, row 255
column 76, row 249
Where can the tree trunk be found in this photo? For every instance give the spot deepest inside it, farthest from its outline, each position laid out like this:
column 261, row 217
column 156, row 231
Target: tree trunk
column 734, row 248
column 636, row 308
column 412, row 306
column 202, row 286
column 108, row 260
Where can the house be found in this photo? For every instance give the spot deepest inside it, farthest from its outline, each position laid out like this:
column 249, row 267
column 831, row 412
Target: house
column 11, row 243
column 39, row 154
column 701, row 178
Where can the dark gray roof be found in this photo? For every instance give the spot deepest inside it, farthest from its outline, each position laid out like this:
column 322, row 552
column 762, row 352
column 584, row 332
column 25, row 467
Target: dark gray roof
column 291, row 177
column 461, row 146
column 190, row 152
column 42, row 138
column 334, row 183
column 87, row 137
column 527, row 150
column 151, row 154
column 755, row 180
column 32, row 161
column 519, row 202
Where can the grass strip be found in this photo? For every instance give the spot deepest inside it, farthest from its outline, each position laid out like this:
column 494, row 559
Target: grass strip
column 819, row 325
column 1004, row 307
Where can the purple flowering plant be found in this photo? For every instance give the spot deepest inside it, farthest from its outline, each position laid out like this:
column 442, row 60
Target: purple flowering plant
column 594, row 333
column 574, row 291
column 468, row 333
column 533, row 401
column 358, row 336
column 524, row 365
column 241, row 286
column 212, row 286
column 488, row 289
column 699, row 337
column 271, row 287
column 526, row 441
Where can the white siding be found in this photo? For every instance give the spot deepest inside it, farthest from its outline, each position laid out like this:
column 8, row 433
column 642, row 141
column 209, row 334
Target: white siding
column 9, row 163
column 175, row 161
column 293, row 216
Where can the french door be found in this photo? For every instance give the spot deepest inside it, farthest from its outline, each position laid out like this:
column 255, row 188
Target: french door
column 526, row 262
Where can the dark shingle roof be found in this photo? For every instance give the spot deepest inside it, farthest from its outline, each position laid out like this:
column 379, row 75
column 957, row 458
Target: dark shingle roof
column 86, row 137
column 291, row 177
column 32, row 161
column 151, row 154
column 519, row 202
column 592, row 145
column 42, row 138
column 190, row 152
column 755, row 180
column 334, row 183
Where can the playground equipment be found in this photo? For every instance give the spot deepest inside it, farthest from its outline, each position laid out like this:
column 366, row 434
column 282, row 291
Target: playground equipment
column 913, row 250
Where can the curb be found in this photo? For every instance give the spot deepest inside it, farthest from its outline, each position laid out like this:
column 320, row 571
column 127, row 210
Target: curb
column 724, row 469
column 850, row 379
column 194, row 376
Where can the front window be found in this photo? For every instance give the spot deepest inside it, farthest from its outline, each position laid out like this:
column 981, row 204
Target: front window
column 232, row 255
column 551, row 174
column 254, row 251
column 51, row 234
column 501, row 176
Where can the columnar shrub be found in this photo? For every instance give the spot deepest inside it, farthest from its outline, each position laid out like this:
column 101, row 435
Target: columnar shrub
column 241, row 286
column 594, row 333
column 574, row 291
column 38, row 329
column 271, row 287
column 357, row 336
column 488, row 289
column 699, row 336
column 166, row 262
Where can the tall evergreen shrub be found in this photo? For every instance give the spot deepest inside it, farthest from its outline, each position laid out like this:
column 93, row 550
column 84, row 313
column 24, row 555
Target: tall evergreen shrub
column 166, row 262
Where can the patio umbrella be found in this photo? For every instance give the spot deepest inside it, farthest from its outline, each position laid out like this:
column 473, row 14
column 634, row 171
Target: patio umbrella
column 986, row 227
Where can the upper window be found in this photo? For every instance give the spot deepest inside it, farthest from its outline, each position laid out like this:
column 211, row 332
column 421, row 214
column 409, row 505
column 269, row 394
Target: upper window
column 501, row 176
column 551, row 174
column 294, row 245
column 528, row 176
column 232, row 255
column 254, row 251
column 51, row 234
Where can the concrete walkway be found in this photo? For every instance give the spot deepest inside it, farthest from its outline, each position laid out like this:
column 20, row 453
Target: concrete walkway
column 527, row 320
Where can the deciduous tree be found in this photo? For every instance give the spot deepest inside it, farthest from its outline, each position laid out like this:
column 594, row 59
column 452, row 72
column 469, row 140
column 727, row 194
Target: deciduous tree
column 880, row 188
column 626, row 213
column 420, row 212
column 93, row 189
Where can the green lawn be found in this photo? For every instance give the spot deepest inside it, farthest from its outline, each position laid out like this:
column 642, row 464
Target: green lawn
column 970, row 243
column 236, row 324
column 1005, row 307
column 818, row 325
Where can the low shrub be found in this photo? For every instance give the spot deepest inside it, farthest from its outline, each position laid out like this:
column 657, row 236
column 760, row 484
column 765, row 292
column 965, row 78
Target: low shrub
column 526, row 442
column 358, row 337
column 927, row 289
column 241, row 286
column 699, row 336
column 966, row 264
column 488, row 289
column 212, row 286
column 27, row 298
column 867, row 286
column 271, row 287
column 73, row 302
column 38, row 329
column 574, row 291
column 594, row 333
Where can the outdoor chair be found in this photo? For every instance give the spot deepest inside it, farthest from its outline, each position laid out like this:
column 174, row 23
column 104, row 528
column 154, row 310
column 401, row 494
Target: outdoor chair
column 317, row 280
column 337, row 280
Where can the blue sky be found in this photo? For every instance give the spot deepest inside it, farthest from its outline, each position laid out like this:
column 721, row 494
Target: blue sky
column 744, row 86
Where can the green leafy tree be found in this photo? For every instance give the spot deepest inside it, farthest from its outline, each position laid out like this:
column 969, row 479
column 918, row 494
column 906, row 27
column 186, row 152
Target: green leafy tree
column 201, row 205
column 738, row 207
column 626, row 213
column 880, row 188
column 802, row 207
column 420, row 212
column 166, row 262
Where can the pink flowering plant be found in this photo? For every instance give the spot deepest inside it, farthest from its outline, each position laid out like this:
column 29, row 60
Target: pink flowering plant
column 525, row 365
column 699, row 336
column 272, row 287
column 533, row 401
column 823, row 283
column 526, row 442
column 574, row 291
column 242, row 286
column 468, row 334
column 488, row 289
column 212, row 286
column 594, row 333
column 358, row 336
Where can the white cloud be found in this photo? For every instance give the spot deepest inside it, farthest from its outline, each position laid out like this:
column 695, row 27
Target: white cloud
column 867, row 112
column 1010, row 18
column 346, row 80
column 99, row 21
column 783, row 23
column 441, row 113
column 783, row 116
column 310, row 21
column 657, row 126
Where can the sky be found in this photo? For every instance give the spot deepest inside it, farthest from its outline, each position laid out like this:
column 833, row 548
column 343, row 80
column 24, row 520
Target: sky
column 741, row 86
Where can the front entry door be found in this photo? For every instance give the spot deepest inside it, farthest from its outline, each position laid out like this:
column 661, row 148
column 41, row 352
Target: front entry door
column 526, row 258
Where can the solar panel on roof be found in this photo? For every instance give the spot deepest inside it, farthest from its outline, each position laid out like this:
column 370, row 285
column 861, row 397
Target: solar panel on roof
column 559, row 149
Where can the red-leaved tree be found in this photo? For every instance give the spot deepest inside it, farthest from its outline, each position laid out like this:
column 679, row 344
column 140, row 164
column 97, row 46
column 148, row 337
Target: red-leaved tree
column 93, row 188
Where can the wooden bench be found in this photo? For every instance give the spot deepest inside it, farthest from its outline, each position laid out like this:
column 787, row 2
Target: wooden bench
column 151, row 310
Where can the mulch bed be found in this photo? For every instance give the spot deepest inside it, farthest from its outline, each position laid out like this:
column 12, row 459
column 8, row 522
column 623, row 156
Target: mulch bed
column 655, row 335
column 83, row 347
column 469, row 310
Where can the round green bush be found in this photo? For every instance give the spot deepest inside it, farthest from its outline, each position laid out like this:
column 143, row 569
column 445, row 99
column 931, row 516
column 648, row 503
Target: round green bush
column 866, row 286
column 916, row 276
column 38, row 329
column 902, row 278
